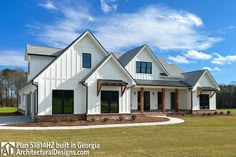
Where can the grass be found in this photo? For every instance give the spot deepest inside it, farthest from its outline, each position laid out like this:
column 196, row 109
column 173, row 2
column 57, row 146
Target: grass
column 197, row 137
column 8, row 109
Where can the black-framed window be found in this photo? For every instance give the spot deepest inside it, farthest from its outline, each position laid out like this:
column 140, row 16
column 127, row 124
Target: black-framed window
column 62, row 101
column 109, row 101
column 86, row 60
column 204, row 101
column 144, row 67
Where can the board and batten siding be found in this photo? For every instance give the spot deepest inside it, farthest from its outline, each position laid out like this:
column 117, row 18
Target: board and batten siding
column 36, row 64
column 144, row 56
column 65, row 73
column 109, row 70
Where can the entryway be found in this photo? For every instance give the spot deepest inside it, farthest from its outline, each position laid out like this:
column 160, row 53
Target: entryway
column 109, row 101
column 146, row 101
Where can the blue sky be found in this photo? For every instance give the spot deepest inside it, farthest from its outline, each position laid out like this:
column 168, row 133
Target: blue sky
column 192, row 34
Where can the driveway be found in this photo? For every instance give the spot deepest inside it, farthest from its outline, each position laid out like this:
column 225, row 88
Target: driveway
column 4, row 120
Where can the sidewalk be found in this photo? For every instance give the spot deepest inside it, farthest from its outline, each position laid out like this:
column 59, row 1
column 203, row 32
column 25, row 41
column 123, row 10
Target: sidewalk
column 171, row 121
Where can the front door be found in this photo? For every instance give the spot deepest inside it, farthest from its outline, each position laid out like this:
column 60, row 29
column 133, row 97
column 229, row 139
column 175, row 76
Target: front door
column 146, row 101
column 204, row 101
column 172, row 100
column 109, row 101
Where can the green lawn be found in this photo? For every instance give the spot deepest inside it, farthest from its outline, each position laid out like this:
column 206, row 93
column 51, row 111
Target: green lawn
column 8, row 109
column 233, row 111
column 206, row 136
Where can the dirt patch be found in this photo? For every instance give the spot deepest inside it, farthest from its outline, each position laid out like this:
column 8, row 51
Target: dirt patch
column 140, row 119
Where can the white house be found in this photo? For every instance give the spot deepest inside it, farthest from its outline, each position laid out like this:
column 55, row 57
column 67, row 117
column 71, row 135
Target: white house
column 84, row 79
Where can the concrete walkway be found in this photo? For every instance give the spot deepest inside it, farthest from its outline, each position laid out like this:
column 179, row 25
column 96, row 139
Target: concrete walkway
column 4, row 120
column 171, row 121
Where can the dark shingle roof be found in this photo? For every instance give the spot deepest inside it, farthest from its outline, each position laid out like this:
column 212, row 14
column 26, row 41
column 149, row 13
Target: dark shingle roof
column 45, row 51
column 128, row 56
column 116, row 54
column 162, row 83
column 192, row 77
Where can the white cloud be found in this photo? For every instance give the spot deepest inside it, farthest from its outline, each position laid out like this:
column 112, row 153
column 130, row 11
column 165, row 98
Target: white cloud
column 108, row 5
column 221, row 60
column 48, row 5
column 197, row 55
column 212, row 69
column 12, row 58
column 160, row 27
column 179, row 59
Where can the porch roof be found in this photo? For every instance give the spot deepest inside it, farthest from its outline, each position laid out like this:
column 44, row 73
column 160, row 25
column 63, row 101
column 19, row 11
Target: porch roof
column 112, row 82
column 207, row 89
column 162, row 83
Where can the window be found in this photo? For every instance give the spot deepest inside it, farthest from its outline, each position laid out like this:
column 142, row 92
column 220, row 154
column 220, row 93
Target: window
column 144, row 67
column 109, row 102
column 204, row 101
column 86, row 60
column 62, row 102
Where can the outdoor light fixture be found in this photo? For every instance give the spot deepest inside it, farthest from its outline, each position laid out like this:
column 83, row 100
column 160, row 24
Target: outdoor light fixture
column 134, row 93
column 153, row 93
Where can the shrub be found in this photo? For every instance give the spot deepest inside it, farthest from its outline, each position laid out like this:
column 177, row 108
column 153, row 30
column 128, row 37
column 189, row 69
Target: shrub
column 105, row 119
column 56, row 120
column 36, row 119
column 72, row 119
column 215, row 113
column 133, row 117
column 209, row 113
column 93, row 119
column 204, row 114
column 221, row 112
column 228, row 112
column 121, row 118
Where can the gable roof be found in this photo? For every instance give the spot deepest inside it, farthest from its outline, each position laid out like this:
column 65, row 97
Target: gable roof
column 101, row 63
column 192, row 77
column 129, row 55
column 116, row 54
column 86, row 32
column 172, row 69
column 40, row 50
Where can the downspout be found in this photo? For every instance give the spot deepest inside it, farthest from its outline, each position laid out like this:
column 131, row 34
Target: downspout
column 86, row 110
column 191, row 101
column 32, row 82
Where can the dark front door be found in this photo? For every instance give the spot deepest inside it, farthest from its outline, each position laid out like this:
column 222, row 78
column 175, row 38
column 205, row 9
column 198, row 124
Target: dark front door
column 159, row 100
column 109, row 101
column 146, row 101
column 204, row 101
column 172, row 100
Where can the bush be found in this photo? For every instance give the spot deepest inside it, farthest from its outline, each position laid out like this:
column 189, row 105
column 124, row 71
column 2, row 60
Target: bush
column 121, row 118
column 105, row 119
column 72, row 119
column 133, row 117
column 204, row 114
column 209, row 113
column 93, row 119
column 221, row 112
column 215, row 113
column 228, row 112
column 36, row 119
column 56, row 120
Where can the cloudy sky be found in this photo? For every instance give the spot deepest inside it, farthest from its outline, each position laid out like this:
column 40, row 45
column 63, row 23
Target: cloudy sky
column 192, row 34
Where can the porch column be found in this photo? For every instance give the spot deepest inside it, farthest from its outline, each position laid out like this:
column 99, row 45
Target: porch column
column 176, row 100
column 163, row 100
column 141, row 100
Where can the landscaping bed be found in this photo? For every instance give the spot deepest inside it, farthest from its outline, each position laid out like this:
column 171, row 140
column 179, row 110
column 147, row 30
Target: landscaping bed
column 73, row 122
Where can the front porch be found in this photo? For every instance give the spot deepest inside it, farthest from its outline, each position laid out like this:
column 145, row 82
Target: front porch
column 148, row 100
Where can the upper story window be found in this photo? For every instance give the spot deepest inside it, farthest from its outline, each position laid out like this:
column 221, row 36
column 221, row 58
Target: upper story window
column 86, row 60
column 144, row 67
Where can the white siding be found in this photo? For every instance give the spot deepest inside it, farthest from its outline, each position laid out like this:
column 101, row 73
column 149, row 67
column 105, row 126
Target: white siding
column 184, row 99
column 66, row 72
column 110, row 70
column 36, row 64
column 145, row 56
